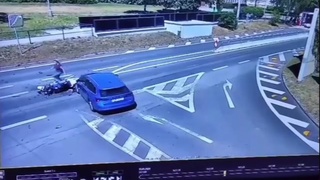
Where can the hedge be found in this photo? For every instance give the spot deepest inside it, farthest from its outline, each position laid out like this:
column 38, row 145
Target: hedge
column 255, row 11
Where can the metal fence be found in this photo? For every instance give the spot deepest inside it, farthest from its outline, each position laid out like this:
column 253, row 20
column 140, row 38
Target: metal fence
column 38, row 35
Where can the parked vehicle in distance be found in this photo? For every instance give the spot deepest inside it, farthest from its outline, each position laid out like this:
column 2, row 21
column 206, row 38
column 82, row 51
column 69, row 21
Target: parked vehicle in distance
column 105, row 92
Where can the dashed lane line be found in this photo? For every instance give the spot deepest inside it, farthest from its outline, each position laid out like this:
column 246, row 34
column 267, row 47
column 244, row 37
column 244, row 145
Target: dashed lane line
column 131, row 143
column 105, row 68
column 242, row 62
column 23, row 122
column 63, row 76
column 14, row 95
column 269, row 81
column 5, row 87
column 282, row 57
column 219, row 68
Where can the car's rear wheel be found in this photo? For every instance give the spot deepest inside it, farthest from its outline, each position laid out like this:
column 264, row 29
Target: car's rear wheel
column 91, row 106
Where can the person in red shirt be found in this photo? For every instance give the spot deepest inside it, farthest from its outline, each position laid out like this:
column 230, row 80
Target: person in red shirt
column 59, row 69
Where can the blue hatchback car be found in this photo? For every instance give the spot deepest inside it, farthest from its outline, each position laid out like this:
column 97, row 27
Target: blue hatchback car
column 105, row 92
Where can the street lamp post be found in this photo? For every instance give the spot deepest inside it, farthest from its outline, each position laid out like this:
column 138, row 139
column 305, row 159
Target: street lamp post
column 308, row 64
column 49, row 9
column 238, row 10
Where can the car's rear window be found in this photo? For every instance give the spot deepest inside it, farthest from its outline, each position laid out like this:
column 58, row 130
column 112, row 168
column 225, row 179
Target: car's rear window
column 115, row 91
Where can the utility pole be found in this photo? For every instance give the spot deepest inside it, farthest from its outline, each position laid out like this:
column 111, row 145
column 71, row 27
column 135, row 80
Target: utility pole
column 238, row 10
column 308, row 64
column 49, row 9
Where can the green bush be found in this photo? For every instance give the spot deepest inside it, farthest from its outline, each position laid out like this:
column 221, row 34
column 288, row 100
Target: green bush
column 229, row 21
column 275, row 18
column 54, row 1
column 255, row 11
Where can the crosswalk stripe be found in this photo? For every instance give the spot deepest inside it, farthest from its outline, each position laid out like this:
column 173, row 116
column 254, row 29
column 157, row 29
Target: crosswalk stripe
column 268, row 73
column 112, row 132
column 267, row 67
column 132, row 143
column 273, row 90
column 269, row 81
column 282, row 57
column 283, row 104
column 153, row 154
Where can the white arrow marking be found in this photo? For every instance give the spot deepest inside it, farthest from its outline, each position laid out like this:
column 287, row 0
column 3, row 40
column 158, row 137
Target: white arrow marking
column 150, row 118
column 229, row 85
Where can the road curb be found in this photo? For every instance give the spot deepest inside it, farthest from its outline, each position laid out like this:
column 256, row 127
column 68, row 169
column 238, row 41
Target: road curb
column 293, row 96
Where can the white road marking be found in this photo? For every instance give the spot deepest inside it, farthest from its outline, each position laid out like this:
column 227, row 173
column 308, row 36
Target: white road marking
column 160, row 64
column 128, row 146
column 7, row 86
column 268, row 73
column 243, row 61
column 188, row 43
column 152, row 48
column 284, row 119
column 106, row 68
column 171, row 45
column 145, row 142
column 281, row 57
column 269, row 62
column 227, row 37
column 203, row 138
column 149, row 118
column 112, row 132
column 273, row 90
column 129, row 51
column 294, row 121
column 132, row 143
column 255, row 33
column 62, row 76
column 14, row 95
column 158, row 91
column 262, row 31
column 267, row 67
column 219, row 68
column 154, row 154
column 280, row 103
column 269, row 81
column 237, row 36
column 23, row 122
column 246, row 34
column 202, row 40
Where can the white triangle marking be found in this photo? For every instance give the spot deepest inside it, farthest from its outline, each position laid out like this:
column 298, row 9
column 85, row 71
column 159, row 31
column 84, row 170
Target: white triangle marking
column 178, row 88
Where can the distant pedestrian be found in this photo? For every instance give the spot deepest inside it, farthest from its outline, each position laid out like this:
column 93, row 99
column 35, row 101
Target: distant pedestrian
column 59, row 70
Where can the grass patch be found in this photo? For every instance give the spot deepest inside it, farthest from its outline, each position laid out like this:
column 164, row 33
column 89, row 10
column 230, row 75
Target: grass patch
column 75, row 48
column 306, row 92
column 37, row 19
column 245, row 28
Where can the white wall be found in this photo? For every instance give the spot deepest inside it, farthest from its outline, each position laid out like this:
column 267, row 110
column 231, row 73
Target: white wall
column 190, row 30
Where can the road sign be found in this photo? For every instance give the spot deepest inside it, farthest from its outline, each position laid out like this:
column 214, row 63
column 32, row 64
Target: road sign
column 15, row 20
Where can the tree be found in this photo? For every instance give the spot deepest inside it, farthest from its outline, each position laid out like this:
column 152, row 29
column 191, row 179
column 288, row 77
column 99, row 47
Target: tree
column 145, row 3
column 255, row 3
column 219, row 4
column 181, row 4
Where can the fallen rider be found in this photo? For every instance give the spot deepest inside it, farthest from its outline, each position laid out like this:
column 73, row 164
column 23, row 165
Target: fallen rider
column 58, row 86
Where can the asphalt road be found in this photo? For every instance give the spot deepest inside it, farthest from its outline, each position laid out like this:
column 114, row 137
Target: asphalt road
column 182, row 112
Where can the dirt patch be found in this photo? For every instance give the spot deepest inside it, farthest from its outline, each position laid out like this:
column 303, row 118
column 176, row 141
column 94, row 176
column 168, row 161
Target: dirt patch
column 249, row 28
column 306, row 92
column 76, row 48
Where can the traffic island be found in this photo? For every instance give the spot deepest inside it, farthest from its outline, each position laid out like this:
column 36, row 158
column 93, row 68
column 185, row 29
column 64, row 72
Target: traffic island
column 306, row 92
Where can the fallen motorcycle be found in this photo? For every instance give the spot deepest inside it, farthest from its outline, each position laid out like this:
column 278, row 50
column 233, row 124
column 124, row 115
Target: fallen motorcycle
column 58, row 86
